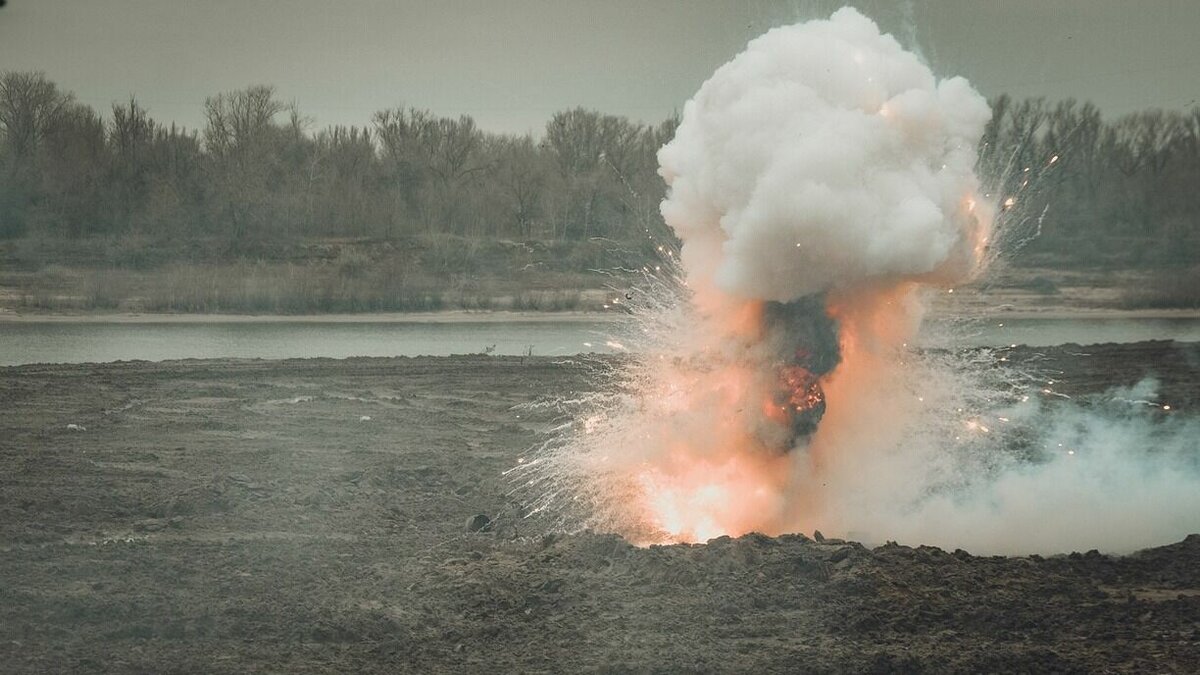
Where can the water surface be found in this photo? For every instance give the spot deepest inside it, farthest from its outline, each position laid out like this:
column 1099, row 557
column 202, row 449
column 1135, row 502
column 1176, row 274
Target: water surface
column 82, row 342
column 1048, row 332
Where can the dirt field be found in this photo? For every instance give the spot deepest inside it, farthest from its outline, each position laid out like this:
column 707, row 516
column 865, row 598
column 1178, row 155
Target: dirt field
column 310, row 516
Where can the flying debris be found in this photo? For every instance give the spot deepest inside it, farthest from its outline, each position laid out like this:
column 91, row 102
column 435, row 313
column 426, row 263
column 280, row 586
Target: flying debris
column 806, row 341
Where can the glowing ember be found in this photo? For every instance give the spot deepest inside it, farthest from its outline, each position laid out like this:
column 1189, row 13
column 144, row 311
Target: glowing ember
column 803, row 398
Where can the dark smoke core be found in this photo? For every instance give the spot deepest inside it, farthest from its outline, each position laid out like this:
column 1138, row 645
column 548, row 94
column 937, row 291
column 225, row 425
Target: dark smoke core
column 804, row 340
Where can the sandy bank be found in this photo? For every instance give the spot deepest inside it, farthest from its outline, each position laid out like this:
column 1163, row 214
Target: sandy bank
column 455, row 316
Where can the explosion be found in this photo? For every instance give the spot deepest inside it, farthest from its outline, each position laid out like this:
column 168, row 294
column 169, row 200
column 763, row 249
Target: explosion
column 822, row 184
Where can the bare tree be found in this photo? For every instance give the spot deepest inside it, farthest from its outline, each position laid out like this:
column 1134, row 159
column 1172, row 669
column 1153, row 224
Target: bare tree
column 239, row 136
column 238, row 121
column 522, row 173
column 30, row 105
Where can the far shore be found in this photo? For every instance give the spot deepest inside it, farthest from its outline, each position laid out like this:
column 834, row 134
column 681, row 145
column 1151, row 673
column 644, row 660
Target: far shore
column 448, row 316
column 1077, row 313
column 467, row 316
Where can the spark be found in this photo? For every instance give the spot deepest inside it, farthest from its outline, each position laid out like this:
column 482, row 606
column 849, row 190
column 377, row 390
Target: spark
column 976, row 426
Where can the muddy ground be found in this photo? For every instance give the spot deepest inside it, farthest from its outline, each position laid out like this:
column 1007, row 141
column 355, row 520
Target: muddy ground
column 309, row 516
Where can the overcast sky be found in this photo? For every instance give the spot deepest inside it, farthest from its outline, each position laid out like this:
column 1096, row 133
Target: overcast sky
column 511, row 63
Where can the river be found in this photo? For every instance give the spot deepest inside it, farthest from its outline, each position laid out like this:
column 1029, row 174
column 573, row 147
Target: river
column 60, row 341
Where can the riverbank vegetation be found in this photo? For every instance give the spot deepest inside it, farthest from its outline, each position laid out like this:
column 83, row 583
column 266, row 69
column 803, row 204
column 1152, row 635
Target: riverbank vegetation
column 262, row 211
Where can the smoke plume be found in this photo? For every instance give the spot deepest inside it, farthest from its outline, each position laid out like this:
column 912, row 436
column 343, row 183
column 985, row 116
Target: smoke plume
column 825, row 157
column 822, row 184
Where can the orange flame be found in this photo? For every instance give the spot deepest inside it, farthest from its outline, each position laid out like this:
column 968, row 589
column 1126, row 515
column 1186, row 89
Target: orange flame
column 696, row 499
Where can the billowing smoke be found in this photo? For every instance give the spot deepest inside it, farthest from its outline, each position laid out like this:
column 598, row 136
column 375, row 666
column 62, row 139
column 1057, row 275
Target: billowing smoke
column 825, row 157
column 824, row 161
column 822, row 183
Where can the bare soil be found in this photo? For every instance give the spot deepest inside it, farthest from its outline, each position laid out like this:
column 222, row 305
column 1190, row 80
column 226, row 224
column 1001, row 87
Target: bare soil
column 311, row 516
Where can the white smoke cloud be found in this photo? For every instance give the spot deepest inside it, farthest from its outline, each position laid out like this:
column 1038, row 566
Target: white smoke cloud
column 825, row 159
column 824, row 156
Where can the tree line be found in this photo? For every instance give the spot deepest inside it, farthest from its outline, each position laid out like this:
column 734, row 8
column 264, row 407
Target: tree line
column 1085, row 189
column 258, row 170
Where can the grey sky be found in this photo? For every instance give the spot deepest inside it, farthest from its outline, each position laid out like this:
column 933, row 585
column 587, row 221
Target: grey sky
column 512, row 63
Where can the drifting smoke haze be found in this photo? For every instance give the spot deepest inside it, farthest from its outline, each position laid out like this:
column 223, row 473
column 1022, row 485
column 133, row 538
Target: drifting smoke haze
column 1116, row 477
column 822, row 184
